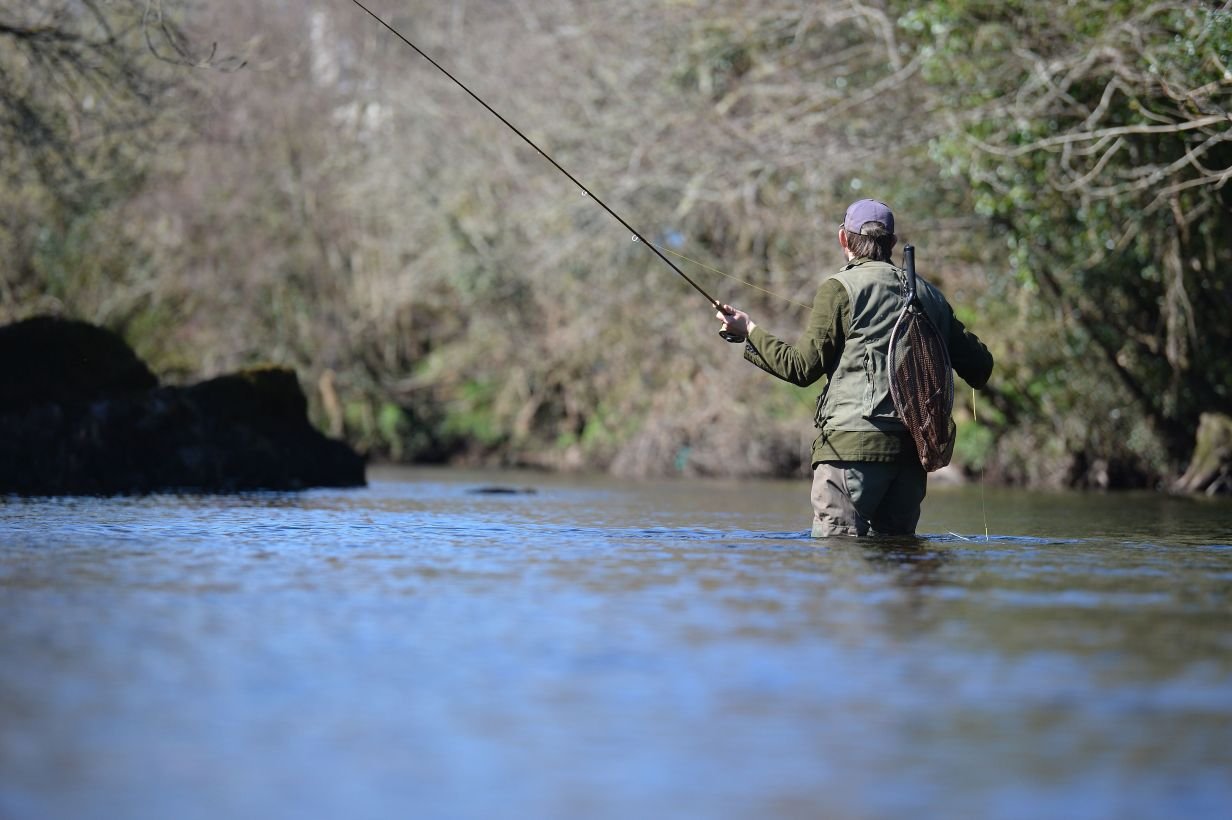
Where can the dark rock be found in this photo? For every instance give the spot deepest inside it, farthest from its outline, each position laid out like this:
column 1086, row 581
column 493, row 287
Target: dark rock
column 48, row 359
column 120, row 433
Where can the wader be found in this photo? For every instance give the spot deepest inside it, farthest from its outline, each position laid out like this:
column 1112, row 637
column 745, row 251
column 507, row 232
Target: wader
column 867, row 497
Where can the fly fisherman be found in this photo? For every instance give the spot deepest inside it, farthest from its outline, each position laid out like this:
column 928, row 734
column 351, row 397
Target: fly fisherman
column 867, row 476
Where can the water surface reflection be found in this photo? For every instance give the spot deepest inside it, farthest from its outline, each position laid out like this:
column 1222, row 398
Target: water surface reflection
column 599, row 648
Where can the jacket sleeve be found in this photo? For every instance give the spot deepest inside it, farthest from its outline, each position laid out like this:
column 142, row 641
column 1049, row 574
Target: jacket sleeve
column 816, row 353
column 968, row 355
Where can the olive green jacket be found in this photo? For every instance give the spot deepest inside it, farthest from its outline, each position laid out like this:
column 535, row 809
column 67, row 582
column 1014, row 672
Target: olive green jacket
column 818, row 352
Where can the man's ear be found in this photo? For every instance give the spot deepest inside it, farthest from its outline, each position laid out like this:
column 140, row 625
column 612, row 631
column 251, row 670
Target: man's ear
column 842, row 238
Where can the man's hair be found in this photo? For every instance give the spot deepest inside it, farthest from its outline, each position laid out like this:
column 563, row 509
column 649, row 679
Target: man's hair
column 874, row 242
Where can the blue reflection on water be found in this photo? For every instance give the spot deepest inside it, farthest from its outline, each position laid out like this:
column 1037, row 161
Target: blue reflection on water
column 600, row 649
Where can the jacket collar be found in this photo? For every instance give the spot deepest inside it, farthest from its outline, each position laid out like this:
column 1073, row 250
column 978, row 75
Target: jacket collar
column 859, row 260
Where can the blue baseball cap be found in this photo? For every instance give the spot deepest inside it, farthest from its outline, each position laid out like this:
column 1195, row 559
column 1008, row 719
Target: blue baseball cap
column 867, row 210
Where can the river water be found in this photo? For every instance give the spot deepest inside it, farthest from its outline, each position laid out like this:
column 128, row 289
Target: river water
column 593, row 648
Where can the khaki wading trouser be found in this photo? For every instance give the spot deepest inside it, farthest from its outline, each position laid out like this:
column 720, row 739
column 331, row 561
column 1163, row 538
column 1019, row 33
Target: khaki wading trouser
column 859, row 497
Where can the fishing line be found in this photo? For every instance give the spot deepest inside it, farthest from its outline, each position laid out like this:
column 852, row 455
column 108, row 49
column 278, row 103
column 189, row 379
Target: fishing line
column 637, row 236
column 983, row 469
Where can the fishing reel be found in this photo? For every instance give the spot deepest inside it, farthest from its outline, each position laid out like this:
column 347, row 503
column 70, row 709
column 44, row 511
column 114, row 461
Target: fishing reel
column 728, row 335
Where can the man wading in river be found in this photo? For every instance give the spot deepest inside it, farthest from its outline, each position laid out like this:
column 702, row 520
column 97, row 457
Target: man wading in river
column 867, row 475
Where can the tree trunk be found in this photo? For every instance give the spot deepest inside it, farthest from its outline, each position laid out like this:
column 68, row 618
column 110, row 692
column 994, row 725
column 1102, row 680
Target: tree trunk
column 1210, row 469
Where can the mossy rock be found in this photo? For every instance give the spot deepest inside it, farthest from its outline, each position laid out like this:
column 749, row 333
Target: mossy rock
column 266, row 396
column 49, row 360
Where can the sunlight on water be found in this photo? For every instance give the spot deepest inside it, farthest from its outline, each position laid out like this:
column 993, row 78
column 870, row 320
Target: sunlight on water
column 444, row 644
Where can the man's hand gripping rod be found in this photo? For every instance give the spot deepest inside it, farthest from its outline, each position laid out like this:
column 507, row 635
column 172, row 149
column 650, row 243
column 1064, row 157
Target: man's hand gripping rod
column 728, row 336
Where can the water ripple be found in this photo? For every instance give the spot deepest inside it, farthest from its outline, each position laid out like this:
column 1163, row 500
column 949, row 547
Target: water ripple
column 598, row 648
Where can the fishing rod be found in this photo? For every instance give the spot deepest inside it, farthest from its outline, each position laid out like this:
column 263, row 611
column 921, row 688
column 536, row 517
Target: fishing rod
column 637, row 236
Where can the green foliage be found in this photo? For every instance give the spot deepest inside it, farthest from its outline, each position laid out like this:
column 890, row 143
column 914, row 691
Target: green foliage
column 471, row 416
column 391, row 422
column 1096, row 135
column 973, row 446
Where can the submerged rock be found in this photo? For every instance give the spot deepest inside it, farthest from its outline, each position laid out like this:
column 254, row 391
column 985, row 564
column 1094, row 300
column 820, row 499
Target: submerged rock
column 498, row 489
column 83, row 415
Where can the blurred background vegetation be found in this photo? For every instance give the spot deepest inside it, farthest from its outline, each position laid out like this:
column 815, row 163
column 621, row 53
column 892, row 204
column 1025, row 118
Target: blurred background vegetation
column 228, row 183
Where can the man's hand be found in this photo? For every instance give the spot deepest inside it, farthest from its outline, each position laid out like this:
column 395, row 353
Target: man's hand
column 734, row 321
